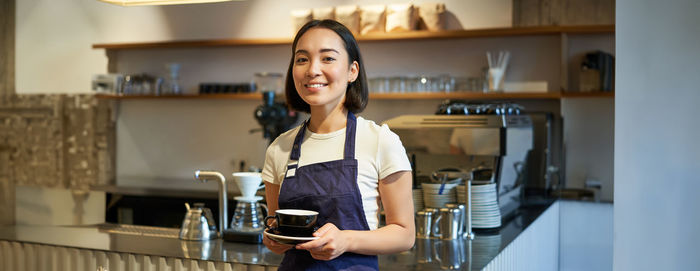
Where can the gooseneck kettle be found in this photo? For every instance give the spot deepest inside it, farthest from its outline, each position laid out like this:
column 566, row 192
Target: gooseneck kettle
column 198, row 223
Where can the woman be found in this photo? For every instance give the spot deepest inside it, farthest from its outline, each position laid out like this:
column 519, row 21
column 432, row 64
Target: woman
column 322, row 166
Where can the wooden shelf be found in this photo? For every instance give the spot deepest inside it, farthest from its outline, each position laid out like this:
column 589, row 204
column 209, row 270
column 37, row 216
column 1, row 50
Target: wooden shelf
column 463, row 95
column 386, row 96
column 588, row 94
column 414, row 35
column 228, row 96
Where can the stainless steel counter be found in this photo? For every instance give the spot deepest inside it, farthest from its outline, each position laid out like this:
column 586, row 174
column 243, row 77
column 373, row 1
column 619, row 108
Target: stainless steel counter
column 425, row 255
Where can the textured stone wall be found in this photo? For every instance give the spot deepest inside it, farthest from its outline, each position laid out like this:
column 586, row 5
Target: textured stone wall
column 7, row 47
column 58, row 141
column 7, row 87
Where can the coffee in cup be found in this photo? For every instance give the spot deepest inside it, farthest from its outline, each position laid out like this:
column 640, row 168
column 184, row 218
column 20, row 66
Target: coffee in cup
column 293, row 222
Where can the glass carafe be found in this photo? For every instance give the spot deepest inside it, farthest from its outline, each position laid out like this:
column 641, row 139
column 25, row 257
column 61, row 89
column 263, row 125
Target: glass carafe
column 248, row 216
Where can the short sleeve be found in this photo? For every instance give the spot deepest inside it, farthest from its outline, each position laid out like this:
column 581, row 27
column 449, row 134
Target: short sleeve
column 270, row 169
column 391, row 155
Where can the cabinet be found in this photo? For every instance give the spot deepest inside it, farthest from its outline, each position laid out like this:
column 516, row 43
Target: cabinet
column 28, row 256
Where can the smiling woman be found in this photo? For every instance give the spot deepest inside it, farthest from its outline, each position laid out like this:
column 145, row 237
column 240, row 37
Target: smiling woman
column 337, row 177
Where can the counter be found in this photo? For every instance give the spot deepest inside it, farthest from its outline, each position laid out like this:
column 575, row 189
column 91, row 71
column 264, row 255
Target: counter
column 425, row 255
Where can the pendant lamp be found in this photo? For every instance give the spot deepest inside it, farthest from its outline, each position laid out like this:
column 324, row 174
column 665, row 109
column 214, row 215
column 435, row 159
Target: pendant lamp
column 128, row 3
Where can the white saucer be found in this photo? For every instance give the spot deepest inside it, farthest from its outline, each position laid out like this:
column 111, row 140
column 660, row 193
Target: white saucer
column 253, row 199
column 290, row 240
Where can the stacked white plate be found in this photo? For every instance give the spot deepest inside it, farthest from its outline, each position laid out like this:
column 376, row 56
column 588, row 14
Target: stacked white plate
column 485, row 210
column 436, row 196
column 418, row 204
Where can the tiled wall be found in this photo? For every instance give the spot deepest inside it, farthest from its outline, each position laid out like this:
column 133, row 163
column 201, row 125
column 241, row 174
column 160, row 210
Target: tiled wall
column 57, row 141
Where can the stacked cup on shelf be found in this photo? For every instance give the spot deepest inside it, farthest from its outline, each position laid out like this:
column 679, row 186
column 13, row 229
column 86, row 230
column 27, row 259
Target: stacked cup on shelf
column 412, row 83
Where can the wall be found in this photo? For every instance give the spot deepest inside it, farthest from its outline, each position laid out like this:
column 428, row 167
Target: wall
column 589, row 136
column 60, row 141
column 52, row 206
column 657, row 157
column 585, row 236
column 7, row 87
column 7, row 47
column 563, row 12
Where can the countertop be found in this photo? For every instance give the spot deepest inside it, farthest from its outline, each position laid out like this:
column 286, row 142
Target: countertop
column 427, row 254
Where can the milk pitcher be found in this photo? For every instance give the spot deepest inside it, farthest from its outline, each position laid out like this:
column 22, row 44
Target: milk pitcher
column 462, row 213
column 424, row 224
column 448, row 224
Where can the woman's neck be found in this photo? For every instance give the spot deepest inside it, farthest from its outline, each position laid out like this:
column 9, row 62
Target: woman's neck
column 324, row 121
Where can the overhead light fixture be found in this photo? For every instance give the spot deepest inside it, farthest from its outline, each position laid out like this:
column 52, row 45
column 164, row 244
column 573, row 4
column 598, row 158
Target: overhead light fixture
column 128, row 3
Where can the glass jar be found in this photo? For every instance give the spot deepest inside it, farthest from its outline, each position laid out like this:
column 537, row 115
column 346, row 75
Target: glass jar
column 267, row 81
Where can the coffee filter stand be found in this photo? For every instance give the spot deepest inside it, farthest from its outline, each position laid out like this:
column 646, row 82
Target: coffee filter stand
column 232, row 234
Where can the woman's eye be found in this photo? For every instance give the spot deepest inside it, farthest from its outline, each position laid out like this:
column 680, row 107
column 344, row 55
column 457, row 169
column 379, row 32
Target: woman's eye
column 328, row 59
column 300, row 60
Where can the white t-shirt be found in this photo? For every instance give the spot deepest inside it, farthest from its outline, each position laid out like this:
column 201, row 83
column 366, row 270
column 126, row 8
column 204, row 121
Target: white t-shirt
column 378, row 151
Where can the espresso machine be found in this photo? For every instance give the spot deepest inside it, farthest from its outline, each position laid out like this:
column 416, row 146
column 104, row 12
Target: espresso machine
column 494, row 141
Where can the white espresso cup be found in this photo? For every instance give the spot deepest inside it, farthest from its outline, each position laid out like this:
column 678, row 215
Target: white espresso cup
column 248, row 183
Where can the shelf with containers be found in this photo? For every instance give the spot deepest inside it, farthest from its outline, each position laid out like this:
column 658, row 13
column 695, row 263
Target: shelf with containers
column 563, row 38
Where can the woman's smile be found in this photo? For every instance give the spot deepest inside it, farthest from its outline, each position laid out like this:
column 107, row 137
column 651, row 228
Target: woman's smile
column 315, row 86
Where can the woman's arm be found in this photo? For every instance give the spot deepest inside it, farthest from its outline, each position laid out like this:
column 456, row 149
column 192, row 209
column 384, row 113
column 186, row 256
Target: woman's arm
column 272, row 192
column 398, row 234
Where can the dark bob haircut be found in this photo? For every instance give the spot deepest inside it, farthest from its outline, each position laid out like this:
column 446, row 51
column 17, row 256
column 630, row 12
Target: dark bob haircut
column 356, row 96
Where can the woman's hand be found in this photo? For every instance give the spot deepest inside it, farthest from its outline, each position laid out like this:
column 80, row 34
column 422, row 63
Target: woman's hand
column 332, row 242
column 272, row 192
column 275, row 246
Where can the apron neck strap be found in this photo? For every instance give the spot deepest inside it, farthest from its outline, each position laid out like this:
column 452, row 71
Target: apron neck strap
column 349, row 151
column 350, row 136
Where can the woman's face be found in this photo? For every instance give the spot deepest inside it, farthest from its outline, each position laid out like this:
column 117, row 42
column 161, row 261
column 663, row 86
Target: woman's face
column 321, row 68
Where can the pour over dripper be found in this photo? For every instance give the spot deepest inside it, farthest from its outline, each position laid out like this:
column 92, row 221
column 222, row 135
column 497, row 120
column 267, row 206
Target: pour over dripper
column 248, row 184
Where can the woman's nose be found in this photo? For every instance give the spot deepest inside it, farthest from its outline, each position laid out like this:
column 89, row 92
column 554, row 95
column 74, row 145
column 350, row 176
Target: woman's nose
column 314, row 69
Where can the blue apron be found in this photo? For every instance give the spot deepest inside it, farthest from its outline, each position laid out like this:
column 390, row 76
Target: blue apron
column 331, row 189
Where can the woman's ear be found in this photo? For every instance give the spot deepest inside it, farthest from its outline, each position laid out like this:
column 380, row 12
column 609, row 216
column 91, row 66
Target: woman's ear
column 353, row 72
